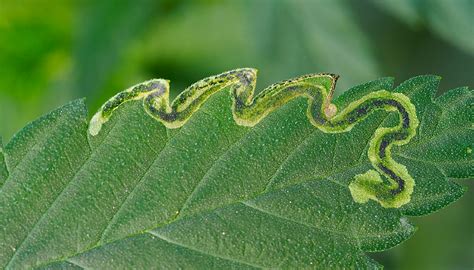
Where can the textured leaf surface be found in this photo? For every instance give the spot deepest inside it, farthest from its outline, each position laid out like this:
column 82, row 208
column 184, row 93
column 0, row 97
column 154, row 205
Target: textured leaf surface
column 215, row 195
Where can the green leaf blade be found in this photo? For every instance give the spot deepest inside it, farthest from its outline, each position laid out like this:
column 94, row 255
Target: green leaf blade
column 104, row 180
column 217, row 195
column 39, row 169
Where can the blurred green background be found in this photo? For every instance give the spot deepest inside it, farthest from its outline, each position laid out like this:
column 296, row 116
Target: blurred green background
column 55, row 51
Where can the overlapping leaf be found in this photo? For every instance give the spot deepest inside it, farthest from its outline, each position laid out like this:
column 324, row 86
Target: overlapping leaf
column 216, row 195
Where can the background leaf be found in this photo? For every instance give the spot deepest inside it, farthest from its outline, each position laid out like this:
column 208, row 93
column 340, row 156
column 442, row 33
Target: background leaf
column 214, row 194
column 452, row 20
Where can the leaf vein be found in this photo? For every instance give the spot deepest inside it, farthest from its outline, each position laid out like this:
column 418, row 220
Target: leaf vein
column 233, row 260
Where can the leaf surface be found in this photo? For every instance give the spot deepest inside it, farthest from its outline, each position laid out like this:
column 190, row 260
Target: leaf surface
column 216, row 195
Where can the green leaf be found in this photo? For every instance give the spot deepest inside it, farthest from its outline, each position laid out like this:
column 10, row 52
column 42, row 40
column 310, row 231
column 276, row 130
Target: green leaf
column 215, row 195
column 452, row 20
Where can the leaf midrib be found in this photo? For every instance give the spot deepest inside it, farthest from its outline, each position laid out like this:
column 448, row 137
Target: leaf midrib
column 147, row 230
column 202, row 252
column 246, row 204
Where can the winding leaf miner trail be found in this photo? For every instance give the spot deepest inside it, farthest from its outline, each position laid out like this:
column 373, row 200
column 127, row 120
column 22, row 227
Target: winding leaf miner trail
column 249, row 109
